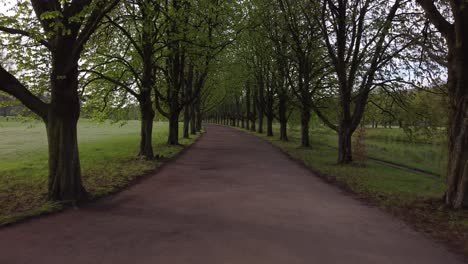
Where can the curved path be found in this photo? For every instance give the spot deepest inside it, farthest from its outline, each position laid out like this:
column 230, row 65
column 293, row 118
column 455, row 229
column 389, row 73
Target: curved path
column 231, row 198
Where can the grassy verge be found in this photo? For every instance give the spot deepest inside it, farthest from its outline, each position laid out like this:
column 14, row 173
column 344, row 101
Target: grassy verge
column 413, row 197
column 394, row 146
column 108, row 159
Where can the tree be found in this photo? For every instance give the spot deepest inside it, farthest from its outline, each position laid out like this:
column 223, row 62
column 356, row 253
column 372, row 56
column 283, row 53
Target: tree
column 65, row 27
column 308, row 65
column 196, row 33
column 454, row 29
column 360, row 41
column 133, row 56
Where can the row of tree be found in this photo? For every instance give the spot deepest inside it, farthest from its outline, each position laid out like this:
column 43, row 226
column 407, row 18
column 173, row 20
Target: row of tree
column 328, row 58
column 102, row 56
column 349, row 62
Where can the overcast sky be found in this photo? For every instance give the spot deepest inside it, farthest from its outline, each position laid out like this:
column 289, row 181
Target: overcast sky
column 4, row 6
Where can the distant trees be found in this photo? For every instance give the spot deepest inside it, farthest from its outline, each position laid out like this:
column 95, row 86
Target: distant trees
column 5, row 108
column 156, row 54
column 194, row 36
column 352, row 63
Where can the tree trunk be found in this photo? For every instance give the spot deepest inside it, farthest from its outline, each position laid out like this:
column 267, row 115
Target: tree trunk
column 345, row 155
column 270, row 124
column 457, row 168
column 284, row 131
column 64, row 162
column 260, row 121
column 187, row 121
column 173, row 137
column 199, row 116
column 305, row 119
column 147, row 118
column 193, row 120
column 259, row 109
column 283, row 118
column 254, row 114
column 247, row 105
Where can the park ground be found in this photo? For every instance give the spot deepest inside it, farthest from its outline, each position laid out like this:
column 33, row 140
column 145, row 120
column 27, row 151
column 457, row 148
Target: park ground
column 108, row 153
column 230, row 198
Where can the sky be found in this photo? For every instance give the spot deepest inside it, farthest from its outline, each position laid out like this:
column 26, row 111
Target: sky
column 4, row 6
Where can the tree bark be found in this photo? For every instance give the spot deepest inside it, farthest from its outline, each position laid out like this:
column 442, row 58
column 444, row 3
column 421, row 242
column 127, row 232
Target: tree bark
column 254, row 112
column 345, row 155
column 64, row 162
column 147, row 119
column 269, row 105
column 283, row 131
column 270, row 120
column 283, row 119
column 247, row 105
column 457, row 168
column 187, row 121
column 193, row 119
column 173, row 137
column 199, row 116
column 305, row 120
column 260, row 118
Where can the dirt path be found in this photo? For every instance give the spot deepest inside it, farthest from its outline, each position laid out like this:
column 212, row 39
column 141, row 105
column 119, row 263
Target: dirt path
column 231, row 198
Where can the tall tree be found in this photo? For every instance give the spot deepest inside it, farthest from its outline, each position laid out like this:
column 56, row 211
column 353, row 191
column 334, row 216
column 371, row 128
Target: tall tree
column 360, row 42
column 131, row 61
column 454, row 28
column 308, row 65
column 65, row 28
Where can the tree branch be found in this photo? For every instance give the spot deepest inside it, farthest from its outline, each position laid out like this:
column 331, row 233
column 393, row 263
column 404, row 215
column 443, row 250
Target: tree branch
column 26, row 34
column 432, row 13
column 12, row 86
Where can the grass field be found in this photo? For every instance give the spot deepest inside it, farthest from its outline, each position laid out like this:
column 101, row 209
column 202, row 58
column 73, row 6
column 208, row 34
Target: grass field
column 412, row 196
column 393, row 145
column 108, row 159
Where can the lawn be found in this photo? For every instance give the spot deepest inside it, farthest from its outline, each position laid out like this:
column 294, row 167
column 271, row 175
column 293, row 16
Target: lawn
column 414, row 197
column 108, row 159
column 393, row 145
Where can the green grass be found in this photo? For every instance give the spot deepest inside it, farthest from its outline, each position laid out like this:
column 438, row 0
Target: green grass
column 394, row 146
column 108, row 159
column 412, row 196
column 387, row 184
